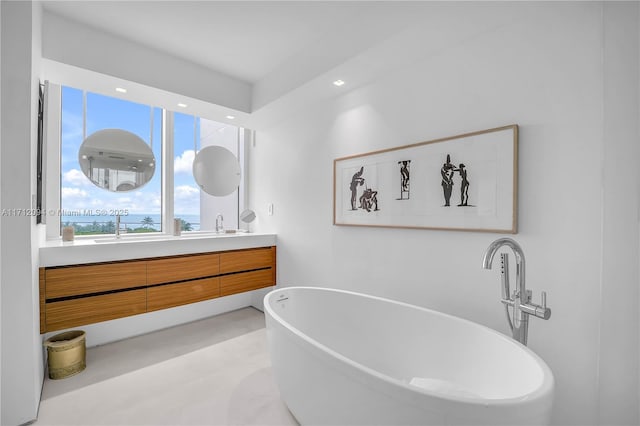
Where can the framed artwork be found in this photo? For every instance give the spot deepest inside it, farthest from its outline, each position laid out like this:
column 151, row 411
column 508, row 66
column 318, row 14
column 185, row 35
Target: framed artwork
column 467, row 182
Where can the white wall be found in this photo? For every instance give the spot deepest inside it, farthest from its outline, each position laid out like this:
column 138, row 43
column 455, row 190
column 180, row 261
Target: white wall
column 542, row 68
column 0, row 205
column 619, row 283
column 22, row 363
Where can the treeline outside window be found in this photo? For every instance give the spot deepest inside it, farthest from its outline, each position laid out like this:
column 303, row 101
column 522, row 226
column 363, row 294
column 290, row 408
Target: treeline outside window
column 91, row 210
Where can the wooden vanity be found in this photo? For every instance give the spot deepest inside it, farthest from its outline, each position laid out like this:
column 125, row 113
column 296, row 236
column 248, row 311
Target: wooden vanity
column 75, row 295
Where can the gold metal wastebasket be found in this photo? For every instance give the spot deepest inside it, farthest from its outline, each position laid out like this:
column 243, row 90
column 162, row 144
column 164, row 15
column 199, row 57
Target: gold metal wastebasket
column 66, row 353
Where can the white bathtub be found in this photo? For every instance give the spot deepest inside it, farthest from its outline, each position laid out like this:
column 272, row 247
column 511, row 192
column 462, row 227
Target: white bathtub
column 347, row 358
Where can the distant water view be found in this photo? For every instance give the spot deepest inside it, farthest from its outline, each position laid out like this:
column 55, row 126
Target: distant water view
column 101, row 224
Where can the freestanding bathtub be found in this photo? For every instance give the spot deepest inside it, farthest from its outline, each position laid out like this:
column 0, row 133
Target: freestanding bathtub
column 346, row 358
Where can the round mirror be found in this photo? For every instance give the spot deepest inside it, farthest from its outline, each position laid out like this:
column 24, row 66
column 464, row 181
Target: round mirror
column 216, row 170
column 116, row 160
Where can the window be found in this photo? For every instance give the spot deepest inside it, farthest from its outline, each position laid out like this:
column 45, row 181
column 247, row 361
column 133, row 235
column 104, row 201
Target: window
column 197, row 209
column 91, row 210
column 85, row 206
column 186, row 195
column 230, row 137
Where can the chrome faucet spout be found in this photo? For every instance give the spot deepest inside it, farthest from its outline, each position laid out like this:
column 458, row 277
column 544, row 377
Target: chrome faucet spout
column 520, row 300
column 520, row 262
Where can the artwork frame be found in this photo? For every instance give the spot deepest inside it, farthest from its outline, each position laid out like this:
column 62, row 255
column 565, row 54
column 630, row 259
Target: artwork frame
column 467, row 182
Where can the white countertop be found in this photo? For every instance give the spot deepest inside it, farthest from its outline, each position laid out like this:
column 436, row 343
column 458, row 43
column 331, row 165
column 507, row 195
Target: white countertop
column 88, row 250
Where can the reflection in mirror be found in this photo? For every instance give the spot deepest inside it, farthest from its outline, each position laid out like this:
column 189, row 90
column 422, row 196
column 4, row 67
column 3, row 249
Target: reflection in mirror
column 248, row 216
column 216, row 170
column 116, row 160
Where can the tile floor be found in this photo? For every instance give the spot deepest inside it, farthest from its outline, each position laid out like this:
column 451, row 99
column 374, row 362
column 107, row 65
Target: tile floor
column 211, row 372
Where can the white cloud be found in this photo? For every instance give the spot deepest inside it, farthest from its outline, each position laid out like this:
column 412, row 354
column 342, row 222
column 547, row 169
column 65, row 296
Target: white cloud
column 184, row 162
column 138, row 202
column 73, row 193
column 76, row 177
column 74, row 199
column 186, row 192
column 187, row 200
column 97, row 203
column 123, row 200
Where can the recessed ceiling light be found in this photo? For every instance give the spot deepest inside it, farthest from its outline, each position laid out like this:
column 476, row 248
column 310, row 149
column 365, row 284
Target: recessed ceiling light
column 121, row 90
column 231, row 117
column 181, row 105
column 338, row 82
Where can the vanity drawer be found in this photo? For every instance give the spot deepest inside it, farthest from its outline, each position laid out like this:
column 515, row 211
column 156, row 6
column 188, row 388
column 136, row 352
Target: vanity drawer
column 182, row 268
column 170, row 295
column 97, row 278
column 92, row 309
column 244, row 260
column 76, row 295
column 245, row 281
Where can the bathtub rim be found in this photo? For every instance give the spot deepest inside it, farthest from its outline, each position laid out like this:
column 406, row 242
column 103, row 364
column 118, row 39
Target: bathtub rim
column 544, row 391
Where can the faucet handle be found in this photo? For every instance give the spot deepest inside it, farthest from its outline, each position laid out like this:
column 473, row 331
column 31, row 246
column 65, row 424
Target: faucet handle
column 542, row 311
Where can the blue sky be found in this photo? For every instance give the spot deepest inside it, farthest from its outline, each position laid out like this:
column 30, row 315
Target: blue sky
column 79, row 193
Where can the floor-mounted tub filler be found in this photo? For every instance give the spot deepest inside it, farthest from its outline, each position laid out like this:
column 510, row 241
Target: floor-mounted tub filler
column 347, row 358
column 520, row 299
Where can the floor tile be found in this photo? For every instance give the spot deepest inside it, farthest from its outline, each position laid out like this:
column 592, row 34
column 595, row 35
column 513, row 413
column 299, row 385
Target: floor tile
column 211, row 372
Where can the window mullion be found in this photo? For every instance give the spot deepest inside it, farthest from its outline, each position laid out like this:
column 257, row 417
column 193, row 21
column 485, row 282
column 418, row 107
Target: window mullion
column 167, row 170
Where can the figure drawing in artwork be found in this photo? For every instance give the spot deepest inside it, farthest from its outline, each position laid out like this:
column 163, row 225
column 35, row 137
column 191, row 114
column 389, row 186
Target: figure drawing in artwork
column 404, row 179
column 464, row 186
column 447, row 171
column 355, row 181
column 368, row 198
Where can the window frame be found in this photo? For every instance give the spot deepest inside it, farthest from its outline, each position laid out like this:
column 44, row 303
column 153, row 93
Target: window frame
column 52, row 199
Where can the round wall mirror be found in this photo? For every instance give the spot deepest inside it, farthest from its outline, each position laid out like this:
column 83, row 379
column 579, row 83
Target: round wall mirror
column 116, row 160
column 216, row 170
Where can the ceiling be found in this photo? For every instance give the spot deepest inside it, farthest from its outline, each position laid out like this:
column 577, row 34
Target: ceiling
column 286, row 53
column 278, row 49
column 245, row 40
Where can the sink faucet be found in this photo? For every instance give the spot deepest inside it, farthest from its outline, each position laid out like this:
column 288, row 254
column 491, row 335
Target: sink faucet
column 118, row 230
column 520, row 300
column 219, row 227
